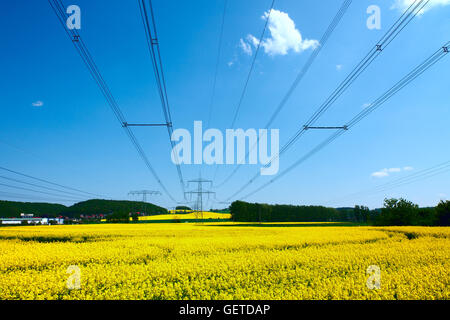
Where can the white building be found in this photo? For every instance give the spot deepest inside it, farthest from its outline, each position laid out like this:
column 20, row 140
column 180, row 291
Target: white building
column 30, row 220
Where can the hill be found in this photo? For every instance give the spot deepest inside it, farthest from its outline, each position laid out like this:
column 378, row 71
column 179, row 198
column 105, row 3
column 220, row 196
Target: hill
column 97, row 206
column 89, row 207
column 14, row 209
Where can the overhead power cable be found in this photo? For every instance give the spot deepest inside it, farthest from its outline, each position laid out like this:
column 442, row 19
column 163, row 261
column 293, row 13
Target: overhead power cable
column 387, row 38
column 416, row 72
column 85, row 55
column 155, row 54
column 31, row 190
column 244, row 90
column 392, row 33
column 20, row 150
column 216, row 71
column 40, row 186
column 260, row 40
column 49, row 182
column 323, row 40
column 399, row 182
column 10, row 195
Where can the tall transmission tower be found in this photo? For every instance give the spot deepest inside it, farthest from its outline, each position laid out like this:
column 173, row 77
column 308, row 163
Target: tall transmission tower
column 144, row 194
column 199, row 192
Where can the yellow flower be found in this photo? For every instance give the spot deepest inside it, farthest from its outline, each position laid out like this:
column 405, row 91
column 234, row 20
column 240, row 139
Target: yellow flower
column 223, row 261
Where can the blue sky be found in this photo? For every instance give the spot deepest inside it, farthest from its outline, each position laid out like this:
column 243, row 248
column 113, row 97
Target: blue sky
column 70, row 135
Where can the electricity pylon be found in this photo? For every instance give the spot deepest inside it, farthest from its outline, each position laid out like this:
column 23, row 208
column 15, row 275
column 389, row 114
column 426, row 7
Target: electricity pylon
column 144, row 194
column 199, row 192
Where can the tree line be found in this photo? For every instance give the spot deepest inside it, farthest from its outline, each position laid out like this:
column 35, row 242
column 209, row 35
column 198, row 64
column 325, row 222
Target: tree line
column 257, row 212
column 397, row 212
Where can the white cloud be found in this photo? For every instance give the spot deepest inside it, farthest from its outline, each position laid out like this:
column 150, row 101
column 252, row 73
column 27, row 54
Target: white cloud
column 442, row 196
column 366, row 105
column 284, row 36
column 339, row 67
column 245, row 47
column 253, row 40
column 380, row 174
column 37, row 104
column 233, row 61
column 402, row 5
column 386, row 171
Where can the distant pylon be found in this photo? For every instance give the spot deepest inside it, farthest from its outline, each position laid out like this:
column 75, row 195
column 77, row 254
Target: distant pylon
column 199, row 192
column 144, row 194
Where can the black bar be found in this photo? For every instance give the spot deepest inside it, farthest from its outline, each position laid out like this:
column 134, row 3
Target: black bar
column 233, row 310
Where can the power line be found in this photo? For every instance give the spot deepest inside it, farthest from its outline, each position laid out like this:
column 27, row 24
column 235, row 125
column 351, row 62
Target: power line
column 49, row 182
column 20, row 150
column 144, row 194
column 40, row 186
column 85, row 55
column 323, row 40
column 219, row 50
column 392, row 33
column 216, row 71
column 252, row 66
column 416, row 72
column 244, row 90
column 408, row 179
column 387, row 38
column 199, row 193
column 153, row 46
column 30, row 197
column 31, row 190
column 419, row 178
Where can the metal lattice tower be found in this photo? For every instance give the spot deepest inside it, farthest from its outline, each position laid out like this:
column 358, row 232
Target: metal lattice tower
column 199, row 193
column 144, row 194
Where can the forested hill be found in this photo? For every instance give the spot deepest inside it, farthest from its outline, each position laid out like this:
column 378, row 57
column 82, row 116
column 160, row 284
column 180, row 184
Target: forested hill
column 89, row 207
column 14, row 209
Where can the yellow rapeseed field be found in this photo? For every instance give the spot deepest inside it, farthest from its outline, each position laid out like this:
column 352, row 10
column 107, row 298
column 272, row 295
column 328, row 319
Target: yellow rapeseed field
column 187, row 216
column 223, row 261
column 178, row 215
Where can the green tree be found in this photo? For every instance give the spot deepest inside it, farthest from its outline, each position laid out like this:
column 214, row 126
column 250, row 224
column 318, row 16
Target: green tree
column 361, row 213
column 398, row 212
column 443, row 213
column 183, row 208
column 119, row 216
column 255, row 212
